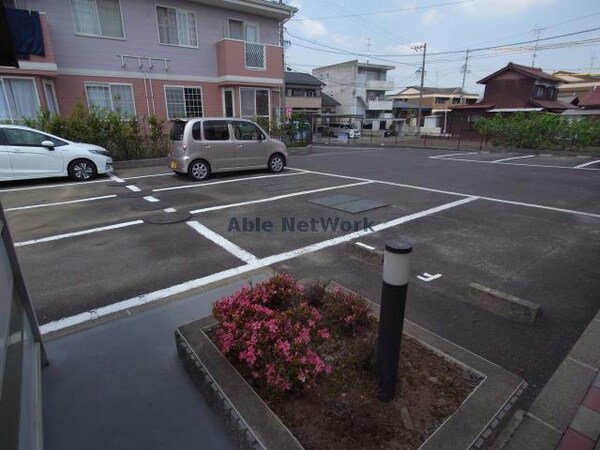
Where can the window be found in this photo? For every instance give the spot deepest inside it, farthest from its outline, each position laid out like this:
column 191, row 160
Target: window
column 441, row 100
column 18, row 99
column 115, row 97
column 15, row 136
column 216, row 130
column 228, row 103
column 540, row 92
column 183, row 101
column 254, row 103
column 243, row 31
column 98, row 18
column 176, row 27
column 50, row 94
column 245, row 131
column 456, row 101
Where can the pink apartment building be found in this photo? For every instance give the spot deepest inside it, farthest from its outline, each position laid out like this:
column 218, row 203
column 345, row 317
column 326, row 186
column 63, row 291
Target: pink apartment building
column 167, row 58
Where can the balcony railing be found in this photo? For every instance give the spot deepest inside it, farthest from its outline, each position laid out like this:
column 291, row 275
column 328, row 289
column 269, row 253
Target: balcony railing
column 255, row 56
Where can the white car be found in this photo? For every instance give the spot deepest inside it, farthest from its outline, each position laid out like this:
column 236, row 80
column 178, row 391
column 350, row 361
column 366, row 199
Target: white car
column 28, row 153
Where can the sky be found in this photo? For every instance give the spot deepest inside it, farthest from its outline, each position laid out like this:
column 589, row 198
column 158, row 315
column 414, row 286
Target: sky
column 342, row 30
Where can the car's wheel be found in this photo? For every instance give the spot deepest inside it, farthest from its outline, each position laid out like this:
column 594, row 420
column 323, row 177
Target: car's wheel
column 199, row 170
column 82, row 170
column 276, row 163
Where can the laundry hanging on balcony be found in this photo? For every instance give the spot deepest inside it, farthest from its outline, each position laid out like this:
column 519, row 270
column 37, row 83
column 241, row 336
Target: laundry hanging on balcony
column 26, row 31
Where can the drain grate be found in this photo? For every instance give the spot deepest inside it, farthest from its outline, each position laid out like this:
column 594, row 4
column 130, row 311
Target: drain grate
column 359, row 206
column 347, row 203
column 333, row 200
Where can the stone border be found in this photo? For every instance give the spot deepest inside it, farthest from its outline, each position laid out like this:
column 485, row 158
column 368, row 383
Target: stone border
column 472, row 426
column 555, row 408
column 502, row 304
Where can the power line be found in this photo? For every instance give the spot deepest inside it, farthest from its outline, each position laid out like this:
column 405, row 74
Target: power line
column 416, row 8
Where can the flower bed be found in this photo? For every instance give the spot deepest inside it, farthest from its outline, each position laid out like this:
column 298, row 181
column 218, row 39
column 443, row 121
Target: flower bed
column 309, row 354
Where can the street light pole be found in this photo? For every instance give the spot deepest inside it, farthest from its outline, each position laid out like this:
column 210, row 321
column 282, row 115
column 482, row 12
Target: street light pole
column 419, row 48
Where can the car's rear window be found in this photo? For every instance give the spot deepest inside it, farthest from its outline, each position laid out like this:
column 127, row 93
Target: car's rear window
column 177, row 129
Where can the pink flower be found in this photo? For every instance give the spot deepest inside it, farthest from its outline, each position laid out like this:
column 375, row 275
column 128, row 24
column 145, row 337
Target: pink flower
column 324, row 333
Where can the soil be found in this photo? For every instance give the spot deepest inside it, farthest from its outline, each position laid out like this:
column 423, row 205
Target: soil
column 343, row 413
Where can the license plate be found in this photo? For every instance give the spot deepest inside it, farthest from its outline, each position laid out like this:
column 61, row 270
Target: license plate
column 173, row 164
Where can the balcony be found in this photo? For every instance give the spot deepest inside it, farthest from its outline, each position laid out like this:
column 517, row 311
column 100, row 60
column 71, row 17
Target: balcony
column 380, row 85
column 239, row 58
column 380, row 105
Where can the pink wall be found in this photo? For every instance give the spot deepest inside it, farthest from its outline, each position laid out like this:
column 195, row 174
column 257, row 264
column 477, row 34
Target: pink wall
column 71, row 88
column 231, row 60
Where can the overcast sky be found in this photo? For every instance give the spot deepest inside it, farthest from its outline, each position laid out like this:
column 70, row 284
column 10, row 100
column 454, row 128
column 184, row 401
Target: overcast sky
column 338, row 29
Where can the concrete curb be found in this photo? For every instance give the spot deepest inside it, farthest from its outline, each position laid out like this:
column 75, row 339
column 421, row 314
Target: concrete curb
column 505, row 305
column 363, row 251
column 300, row 151
column 555, row 409
column 137, row 163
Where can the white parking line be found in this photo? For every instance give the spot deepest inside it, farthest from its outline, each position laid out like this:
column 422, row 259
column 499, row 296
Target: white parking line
column 169, row 210
column 115, row 178
column 512, row 158
column 460, row 194
column 150, row 297
column 133, row 188
column 451, row 154
column 42, row 205
column 279, row 197
column 235, row 180
column 76, row 183
column 516, row 164
column 581, row 166
column 226, row 244
column 78, row 233
column 151, row 199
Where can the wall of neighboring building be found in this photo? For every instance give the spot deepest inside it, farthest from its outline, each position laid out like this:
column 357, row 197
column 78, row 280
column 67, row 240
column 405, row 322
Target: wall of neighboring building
column 76, row 54
column 340, row 83
column 216, row 61
column 509, row 89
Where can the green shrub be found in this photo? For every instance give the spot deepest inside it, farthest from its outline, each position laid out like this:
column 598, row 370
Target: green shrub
column 124, row 138
column 539, row 131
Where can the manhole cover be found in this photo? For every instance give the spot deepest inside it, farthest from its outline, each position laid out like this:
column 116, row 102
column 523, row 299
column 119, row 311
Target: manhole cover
column 131, row 194
column 175, row 217
column 143, row 205
column 116, row 184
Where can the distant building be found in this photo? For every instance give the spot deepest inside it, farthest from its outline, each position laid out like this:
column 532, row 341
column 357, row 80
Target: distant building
column 360, row 88
column 437, row 100
column 589, row 105
column 575, row 85
column 303, row 92
column 328, row 104
column 514, row 88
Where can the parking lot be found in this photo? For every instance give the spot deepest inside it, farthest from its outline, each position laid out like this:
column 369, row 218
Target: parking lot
column 526, row 225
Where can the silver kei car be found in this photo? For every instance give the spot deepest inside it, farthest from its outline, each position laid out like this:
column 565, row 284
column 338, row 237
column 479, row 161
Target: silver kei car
column 201, row 146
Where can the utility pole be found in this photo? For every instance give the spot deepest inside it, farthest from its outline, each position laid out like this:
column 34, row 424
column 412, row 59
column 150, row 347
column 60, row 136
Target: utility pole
column 419, row 48
column 465, row 69
column 368, row 49
column 592, row 61
column 535, row 48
